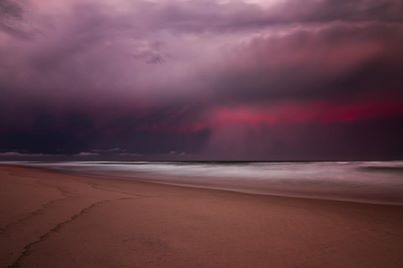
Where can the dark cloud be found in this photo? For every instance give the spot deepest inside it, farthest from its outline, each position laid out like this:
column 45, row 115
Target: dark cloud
column 12, row 20
column 216, row 16
column 154, row 77
column 71, row 131
column 353, row 11
column 338, row 61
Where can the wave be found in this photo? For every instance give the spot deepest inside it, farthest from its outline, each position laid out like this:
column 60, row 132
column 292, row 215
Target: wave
column 369, row 182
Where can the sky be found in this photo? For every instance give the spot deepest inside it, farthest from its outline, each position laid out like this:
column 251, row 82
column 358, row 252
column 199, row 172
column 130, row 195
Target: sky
column 202, row 79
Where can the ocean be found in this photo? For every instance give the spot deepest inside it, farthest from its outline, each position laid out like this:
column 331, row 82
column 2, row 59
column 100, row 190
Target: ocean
column 367, row 182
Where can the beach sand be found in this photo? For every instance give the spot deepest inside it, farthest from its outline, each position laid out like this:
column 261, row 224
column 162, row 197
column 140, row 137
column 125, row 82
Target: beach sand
column 51, row 219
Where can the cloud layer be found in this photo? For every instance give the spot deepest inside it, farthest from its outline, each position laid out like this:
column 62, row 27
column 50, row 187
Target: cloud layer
column 209, row 79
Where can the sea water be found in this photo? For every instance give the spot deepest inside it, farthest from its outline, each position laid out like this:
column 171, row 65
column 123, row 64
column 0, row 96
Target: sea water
column 369, row 182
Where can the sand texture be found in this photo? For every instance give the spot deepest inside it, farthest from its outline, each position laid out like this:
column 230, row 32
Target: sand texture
column 50, row 219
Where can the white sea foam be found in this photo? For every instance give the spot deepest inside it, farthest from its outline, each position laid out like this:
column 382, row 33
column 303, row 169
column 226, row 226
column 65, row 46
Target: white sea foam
column 373, row 182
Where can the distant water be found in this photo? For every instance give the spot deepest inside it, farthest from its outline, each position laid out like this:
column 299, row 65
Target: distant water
column 370, row 182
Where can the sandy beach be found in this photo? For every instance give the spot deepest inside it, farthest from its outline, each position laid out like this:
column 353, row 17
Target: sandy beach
column 52, row 219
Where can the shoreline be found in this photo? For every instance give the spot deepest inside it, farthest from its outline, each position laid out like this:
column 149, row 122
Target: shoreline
column 53, row 219
column 174, row 181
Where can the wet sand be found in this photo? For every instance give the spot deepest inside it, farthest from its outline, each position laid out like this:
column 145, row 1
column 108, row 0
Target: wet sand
column 50, row 219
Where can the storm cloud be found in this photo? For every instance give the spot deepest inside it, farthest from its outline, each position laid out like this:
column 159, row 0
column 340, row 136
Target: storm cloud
column 205, row 79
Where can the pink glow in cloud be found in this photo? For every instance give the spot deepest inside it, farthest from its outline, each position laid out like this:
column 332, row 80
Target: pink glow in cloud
column 305, row 113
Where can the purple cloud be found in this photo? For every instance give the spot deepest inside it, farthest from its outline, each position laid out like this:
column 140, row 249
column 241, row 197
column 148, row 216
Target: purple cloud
column 147, row 75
